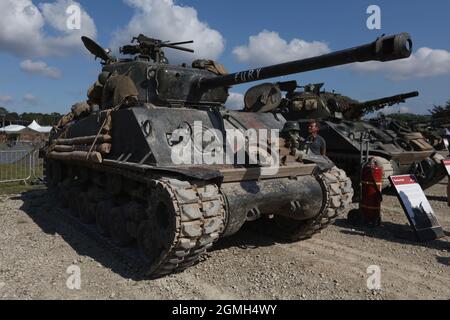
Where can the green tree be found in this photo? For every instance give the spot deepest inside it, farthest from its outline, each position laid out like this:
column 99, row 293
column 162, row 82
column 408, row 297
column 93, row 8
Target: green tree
column 13, row 116
column 441, row 112
column 44, row 119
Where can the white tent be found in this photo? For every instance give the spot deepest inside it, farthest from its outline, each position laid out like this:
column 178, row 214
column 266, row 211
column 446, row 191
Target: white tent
column 36, row 127
column 12, row 128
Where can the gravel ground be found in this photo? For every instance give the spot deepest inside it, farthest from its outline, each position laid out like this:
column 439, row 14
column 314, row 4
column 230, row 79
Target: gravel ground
column 38, row 244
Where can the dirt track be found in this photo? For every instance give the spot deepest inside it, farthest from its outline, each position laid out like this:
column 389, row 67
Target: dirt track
column 37, row 245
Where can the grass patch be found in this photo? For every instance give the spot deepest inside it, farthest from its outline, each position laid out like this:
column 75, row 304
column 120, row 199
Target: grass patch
column 14, row 171
column 21, row 170
column 18, row 187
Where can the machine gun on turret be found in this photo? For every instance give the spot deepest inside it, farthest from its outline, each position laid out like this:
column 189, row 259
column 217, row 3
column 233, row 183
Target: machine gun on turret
column 151, row 48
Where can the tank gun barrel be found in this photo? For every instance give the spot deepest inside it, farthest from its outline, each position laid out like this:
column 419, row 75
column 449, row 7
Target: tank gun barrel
column 386, row 48
column 388, row 101
column 357, row 110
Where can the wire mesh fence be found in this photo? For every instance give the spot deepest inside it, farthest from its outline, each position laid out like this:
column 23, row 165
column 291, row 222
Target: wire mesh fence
column 20, row 166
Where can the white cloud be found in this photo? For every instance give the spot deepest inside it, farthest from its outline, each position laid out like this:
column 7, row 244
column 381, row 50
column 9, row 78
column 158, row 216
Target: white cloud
column 24, row 28
column 424, row 63
column 6, row 99
column 30, row 99
column 404, row 109
column 40, row 68
column 164, row 20
column 269, row 48
column 235, row 101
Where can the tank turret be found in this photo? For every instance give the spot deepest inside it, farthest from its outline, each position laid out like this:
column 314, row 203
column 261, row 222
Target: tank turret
column 313, row 103
column 207, row 82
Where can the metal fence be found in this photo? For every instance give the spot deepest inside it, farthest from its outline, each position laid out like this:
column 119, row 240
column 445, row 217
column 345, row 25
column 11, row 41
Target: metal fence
column 20, row 166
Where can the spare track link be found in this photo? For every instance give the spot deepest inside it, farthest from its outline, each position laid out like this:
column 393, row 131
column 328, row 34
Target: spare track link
column 439, row 175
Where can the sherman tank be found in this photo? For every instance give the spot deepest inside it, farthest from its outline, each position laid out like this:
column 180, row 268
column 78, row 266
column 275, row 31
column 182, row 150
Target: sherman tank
column 433, row 132
column 142, row 157
column 348, row 137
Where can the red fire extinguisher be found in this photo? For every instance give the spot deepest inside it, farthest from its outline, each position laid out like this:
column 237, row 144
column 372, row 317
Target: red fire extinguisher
column 371, row 197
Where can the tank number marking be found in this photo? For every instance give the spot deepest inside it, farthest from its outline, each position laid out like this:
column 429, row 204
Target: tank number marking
column 249, row 75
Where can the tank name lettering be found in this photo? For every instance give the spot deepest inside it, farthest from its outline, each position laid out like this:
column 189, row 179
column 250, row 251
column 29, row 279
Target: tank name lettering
column 258, row 71
column 250, row 75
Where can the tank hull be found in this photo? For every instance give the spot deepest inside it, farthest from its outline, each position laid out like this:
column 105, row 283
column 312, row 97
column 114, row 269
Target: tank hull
column 136, row 193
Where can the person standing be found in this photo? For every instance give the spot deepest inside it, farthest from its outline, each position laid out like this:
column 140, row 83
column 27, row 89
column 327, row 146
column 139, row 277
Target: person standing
column 448, row 192
column 315, row 142
column 447, row 136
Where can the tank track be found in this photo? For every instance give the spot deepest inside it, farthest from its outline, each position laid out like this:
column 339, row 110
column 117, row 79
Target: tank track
column 198, row 220
column 198, row 213
column 388, row 170
column 337, row 195
column 439, row 172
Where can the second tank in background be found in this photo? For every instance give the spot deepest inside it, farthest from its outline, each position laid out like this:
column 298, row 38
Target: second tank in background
column 341, row 126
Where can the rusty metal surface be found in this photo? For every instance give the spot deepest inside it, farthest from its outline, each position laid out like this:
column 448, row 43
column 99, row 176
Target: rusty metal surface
column 300, row 198
column 244, row 174
column 411, row 157
column 192, row 172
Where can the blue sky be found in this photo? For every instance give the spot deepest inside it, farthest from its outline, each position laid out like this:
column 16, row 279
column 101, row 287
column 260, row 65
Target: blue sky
column 332, row 25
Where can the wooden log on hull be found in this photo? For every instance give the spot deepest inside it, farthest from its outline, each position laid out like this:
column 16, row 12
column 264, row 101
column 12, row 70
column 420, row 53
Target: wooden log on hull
column 95, row 156
column 104, row 138
column 104, row 148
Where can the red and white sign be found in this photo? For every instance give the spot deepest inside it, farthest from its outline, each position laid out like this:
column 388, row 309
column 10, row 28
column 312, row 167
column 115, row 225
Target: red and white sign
column 412, row 195
column 446, row 163
column 416, row 206
column 403, row 180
